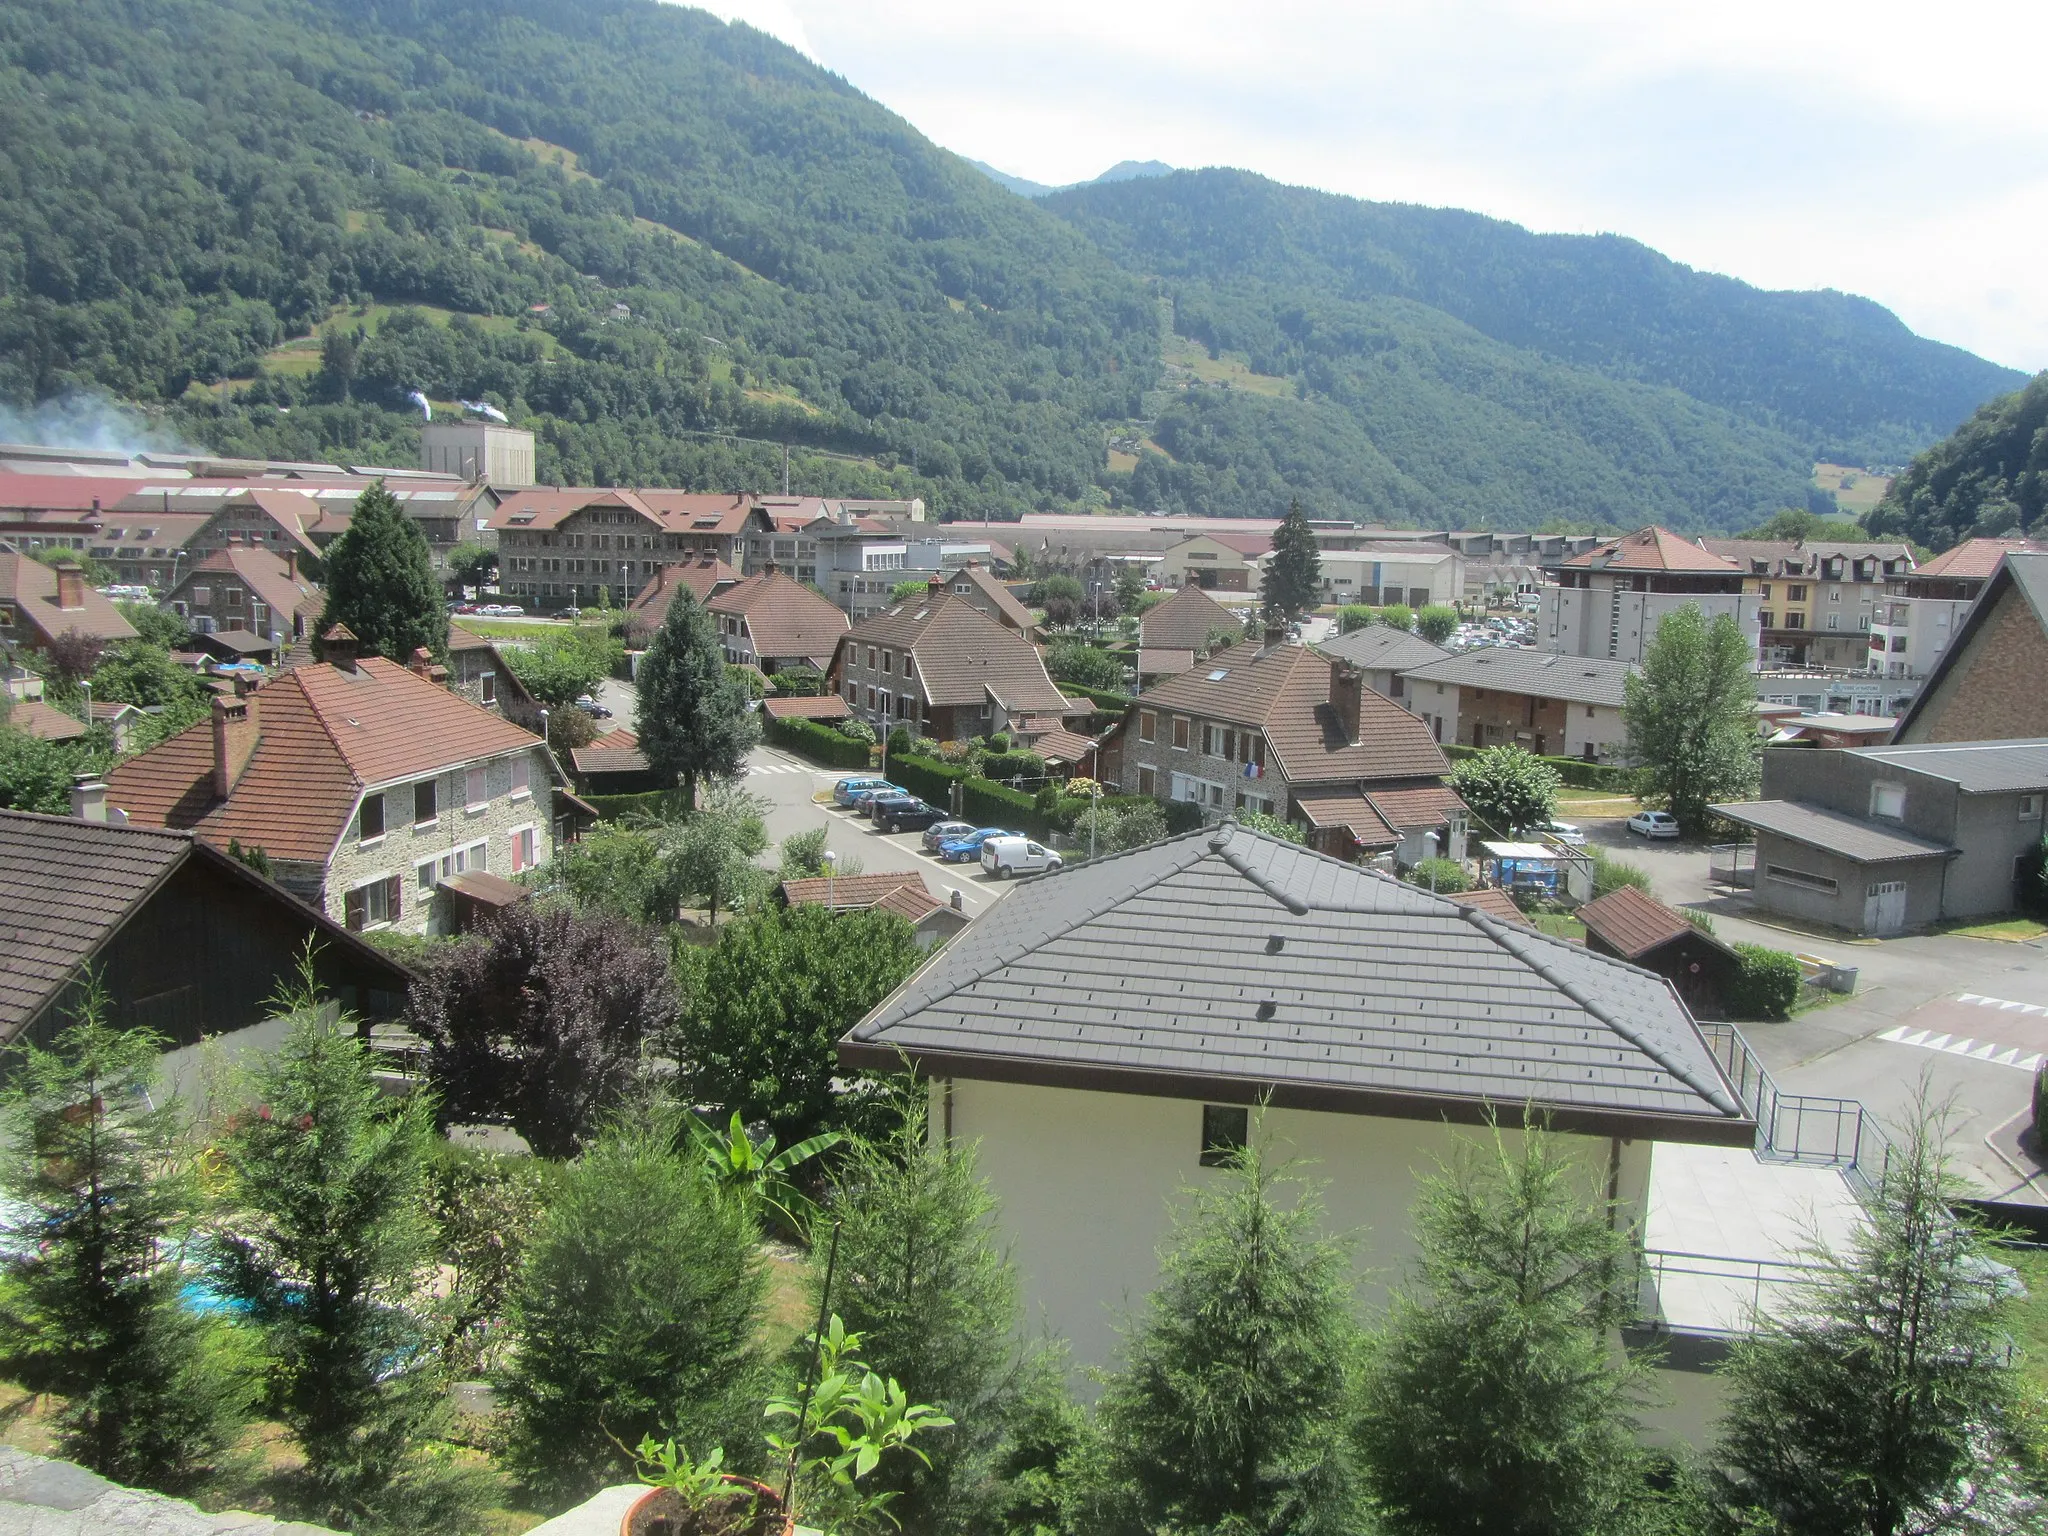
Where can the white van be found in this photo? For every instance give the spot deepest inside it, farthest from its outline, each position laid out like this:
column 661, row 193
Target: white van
column 1007, row 856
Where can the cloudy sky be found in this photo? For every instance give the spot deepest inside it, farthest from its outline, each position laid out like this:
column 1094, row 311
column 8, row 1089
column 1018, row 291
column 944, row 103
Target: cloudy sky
column 1894, row 151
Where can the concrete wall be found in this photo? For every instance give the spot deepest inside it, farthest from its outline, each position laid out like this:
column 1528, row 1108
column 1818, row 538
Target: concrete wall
column 1581, row 621
column 1088, row 1182
column 1366, row 576
column 404, row 847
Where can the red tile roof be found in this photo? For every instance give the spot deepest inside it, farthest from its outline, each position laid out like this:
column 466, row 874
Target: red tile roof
column 323, row 736
column 1062, row 746
column 1974, row 559
column 616, row 751
column 703, row 575
column 544, row 508
column 1353, row 812
column 32, row 587
column 827, row 706
column 963, row 656
column 1495, row 903
column 1630, row 923
column 903, row 894
column 44, row 721
column 997, row 595
column 1185, row 621
column 783, row 617
column 264, row 572
column 1651, row 549
column 1423, row 808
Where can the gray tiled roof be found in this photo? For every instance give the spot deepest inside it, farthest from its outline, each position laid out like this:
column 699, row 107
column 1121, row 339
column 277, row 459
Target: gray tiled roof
column 1379, row 647
column 1865, row 842
column 1225, row 964
column 1975, row 767
column 1543, row 674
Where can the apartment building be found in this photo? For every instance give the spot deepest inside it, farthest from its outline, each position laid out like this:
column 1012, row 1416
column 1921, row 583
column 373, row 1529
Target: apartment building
column 1817, row 600
column 1608, row 601
column 1552, row 705
column 774, row 622
column 1923, row 607
column 1991, row 684
column 944, row 669
column 248, row 587
column 580, row 547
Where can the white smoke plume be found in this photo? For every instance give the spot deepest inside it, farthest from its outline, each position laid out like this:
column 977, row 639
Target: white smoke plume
column 420, row 400
column 485, row 408
column 89, row 421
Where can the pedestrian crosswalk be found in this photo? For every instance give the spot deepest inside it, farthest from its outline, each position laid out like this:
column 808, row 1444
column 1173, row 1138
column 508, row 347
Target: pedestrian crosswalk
column 754, row 768
column 2002, row 1004
column 1960, row 1045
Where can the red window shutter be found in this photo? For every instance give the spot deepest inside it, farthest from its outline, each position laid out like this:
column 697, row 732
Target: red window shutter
column 353, row 908
column 394, row 889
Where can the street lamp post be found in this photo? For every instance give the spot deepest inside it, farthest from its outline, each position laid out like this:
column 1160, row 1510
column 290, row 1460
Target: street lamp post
column 831, row 869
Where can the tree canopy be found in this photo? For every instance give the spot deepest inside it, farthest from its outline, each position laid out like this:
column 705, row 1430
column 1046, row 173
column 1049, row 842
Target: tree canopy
column 1989, row 479
column 693, row 717
column 1292, row 582
column 1691, row 715
column 380, row 582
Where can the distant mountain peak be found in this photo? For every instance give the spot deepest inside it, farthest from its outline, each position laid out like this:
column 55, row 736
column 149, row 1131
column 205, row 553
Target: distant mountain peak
column 1123, row 170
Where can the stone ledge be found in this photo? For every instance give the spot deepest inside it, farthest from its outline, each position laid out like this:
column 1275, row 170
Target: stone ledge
column 43, row 1497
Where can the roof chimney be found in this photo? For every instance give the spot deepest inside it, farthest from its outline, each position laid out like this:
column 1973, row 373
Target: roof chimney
column 88, row 797
column 1276, row 630
column 291, row 563
column 235, row 735
column 1347, row 685
column 338, row 646
column 422, row 662
column 70, row 585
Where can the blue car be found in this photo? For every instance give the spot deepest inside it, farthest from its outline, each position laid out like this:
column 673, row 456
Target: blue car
column 962, row 850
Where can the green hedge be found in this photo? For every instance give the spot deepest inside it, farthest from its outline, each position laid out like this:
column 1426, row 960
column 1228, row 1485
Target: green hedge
column 1767, row 986
column 1114, row 702
column 821, row 744
column 930, row 781
column 995, row 805
column 654, row 802
column 1574, row 771
column 1001, row 766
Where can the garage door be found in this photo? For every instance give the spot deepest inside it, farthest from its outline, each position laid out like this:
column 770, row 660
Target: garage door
column 1884, row 907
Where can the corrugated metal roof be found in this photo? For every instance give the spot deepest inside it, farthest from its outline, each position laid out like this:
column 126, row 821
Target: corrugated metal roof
column 1224, row 961
column 1975, row 767
column 1864, row 842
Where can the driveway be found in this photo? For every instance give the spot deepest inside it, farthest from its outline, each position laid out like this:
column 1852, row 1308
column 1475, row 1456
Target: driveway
column 1967, row 1016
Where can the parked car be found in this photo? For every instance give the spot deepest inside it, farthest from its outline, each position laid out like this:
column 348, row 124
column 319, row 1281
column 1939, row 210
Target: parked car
column 1654, row 824
column 572, row 613
column 843, row 790
column 513, row 611
column 1007, row 856
column 857, row 799
column 965, row 849
column 589, row 705
column 1565, row 832
column 906, row 814
column 944, row 832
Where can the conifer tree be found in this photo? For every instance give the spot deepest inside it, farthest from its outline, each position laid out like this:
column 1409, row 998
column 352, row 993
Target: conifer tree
column 636, row 1312
column 1230, row 1409
column 1294, row 573
column 380, row 582
column 330, row 1253
column 1888, row 1401
column 93, row 1310
column 693, row 718
column 1493, row 1402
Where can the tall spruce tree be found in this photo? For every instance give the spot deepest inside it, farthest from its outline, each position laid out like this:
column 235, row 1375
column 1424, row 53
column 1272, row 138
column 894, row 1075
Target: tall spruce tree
column 693, row 718
column 636, row 1312
column 1230, row 1410
column 331, row 1255
column 936, row 1304
column 93, row 1311
column 1493, row 1403
column 1294, row 573
column 380, row 582
column 1691, row 715
column 1889, row 1401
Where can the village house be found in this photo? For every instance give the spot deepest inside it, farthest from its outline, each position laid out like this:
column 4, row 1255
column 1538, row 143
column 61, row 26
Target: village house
column 478, row 672
column 1608, row 602
column 42, row 606
column 1170, row 633
column 942, row 668
column 1925, row 610
column 371, row 788
column 1815, row 600
column 1281, row 730
column 1879, row 840
column 185, row 940
column 701, row 576
column 1543, row 702
column 776, row 623
column 1384, row 654
column 975, row 585
column 248, row 587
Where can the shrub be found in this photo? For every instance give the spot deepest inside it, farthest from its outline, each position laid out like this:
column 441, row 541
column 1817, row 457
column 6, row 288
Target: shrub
column 1507, row 788
column 1272, row 826
column 1768, row 984
column 1611, row 874
column 929, row 781
column 819, row 743
column 1181, row 815
column 1001, row 766
column 1070, row 661
column 799, row 683
column 1437, row 622
column 1398, row 616
column 858, row 730
column 994, row 805
column 1445, row 876
column 2030, row 893
column 1354, row 616
column 2040, row 1104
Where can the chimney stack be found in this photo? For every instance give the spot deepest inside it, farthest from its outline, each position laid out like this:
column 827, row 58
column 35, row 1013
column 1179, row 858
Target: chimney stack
column 422, row 662
column 1347, row 686
column 291, row 564
column 70, row 586
column 1276, row 632
column 88, row 797
column 234, row 741
column 338, row 647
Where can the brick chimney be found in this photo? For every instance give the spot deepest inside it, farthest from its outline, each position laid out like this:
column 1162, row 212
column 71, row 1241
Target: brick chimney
column 88, row 797
column 235, row 735
column 291, row 564
column 70, row 586
column 1347, row 686
column 338, row 647
column 422, row 662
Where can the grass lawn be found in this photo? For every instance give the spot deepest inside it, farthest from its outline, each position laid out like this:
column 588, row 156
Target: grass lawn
column 2012, row 930
column 2029, row 1318
column 1559, row 925
column 1859, row 495
column 1595, row 803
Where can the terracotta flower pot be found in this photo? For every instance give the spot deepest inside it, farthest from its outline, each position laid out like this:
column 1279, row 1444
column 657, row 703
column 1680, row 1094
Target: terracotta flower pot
column 751, row 1509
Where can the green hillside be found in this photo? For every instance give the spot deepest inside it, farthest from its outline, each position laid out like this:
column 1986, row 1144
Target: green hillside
column 1989, row 479
column 635, row 228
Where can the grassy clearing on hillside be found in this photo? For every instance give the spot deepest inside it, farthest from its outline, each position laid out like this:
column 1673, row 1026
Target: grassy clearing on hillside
column 1231, row 368
column 1855, row 491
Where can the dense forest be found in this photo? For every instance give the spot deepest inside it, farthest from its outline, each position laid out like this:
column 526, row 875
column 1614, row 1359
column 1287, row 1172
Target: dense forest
column 1990, row 478
column 650, row 236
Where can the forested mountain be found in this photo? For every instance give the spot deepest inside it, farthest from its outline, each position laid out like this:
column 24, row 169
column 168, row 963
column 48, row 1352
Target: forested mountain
column 632, row 227
column 1990, row 478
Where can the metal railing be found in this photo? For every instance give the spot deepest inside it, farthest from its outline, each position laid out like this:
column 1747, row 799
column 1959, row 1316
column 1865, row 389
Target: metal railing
column 1716, row 1295
column 1798, row 1127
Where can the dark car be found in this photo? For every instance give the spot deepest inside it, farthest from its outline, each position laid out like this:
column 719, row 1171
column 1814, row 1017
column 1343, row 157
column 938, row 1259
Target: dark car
column 906, row 815
column 872, row 806
column 944, row 832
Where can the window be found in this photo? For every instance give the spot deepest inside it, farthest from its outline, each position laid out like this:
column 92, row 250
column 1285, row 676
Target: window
column 1396, row 686
column 369, row 906
column 1767, row 619
column 370, row 819
column 1795, row 621
column 2030, row 807
column 888, row 661
column 522, row 849
column 522, row 776
column 426, row 806
column 202, row 597
column 1589, row 712
column 1148, row 725
column 871, row 658
column 488, row 685
column 1898, row 642
column 1888, row 801
column 1764, row 591
column 234, row 597
column 475, row 790
column 1834, row 594
column 1148, row 780
column 1805, row 879
column 1225, row 1130
column 1834, row 621
column 1795, row 594
column 1181, row 724
column 426, row 876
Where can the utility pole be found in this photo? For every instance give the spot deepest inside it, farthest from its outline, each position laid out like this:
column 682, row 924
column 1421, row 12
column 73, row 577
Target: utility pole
column 1094, row 814
column 785, row 469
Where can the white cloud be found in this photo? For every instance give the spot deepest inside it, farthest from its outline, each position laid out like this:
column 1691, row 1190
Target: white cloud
column 1892, row 151
column 778, row 18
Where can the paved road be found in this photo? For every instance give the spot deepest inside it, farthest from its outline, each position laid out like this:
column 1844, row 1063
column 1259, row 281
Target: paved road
column 1968, row 1015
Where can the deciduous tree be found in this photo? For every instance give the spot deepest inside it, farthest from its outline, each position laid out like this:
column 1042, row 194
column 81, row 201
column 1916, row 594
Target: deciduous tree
column 693, row 720
column 1436, row 622
column 1691, row 715
column 380, row 582
column 1508, row 788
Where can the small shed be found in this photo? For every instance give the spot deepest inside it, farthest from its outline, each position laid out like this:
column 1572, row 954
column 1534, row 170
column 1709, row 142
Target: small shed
column 614, row 765
column 238, row 645
column 475, row 894
column 1640, row 929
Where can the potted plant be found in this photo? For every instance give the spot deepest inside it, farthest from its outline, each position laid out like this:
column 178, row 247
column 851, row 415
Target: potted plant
column 837, row 1433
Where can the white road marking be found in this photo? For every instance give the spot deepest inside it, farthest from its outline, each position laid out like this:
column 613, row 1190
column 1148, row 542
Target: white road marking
column 753, row 768
column 1977, row 1050
column 2003, row 1005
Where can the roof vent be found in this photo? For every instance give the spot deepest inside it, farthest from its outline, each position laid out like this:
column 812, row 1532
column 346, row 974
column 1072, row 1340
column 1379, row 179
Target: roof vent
column 1275, row 944
column 1268, row 1008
